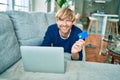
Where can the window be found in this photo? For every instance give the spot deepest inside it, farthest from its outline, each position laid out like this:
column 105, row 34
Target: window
column 18, row 5
column 3, row 5
column 21, row 5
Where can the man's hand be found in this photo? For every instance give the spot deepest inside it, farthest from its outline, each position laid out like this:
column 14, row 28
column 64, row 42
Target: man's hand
column 76, row 48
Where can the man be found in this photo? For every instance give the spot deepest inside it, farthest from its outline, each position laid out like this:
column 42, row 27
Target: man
column 65, row 34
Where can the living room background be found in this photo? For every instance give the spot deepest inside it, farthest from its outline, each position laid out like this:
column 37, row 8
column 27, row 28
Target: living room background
column 81, row 6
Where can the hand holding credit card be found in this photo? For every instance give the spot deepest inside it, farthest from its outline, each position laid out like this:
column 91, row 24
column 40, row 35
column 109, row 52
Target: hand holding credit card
column 83, row 35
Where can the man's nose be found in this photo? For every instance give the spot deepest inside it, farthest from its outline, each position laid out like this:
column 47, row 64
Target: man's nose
column 64, row 22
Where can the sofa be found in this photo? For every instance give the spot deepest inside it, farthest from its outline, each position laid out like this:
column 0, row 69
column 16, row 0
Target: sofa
column 18, row 28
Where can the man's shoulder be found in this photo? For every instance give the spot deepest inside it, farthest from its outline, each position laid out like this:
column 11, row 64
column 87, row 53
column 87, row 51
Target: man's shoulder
column 52, row 26
column 75, row 28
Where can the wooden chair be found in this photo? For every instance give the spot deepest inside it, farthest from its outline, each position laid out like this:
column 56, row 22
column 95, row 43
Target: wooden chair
column 113, row 23
column 95, row 21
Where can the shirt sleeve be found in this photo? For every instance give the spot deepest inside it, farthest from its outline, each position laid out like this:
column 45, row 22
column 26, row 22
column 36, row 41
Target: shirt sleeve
column 80, row 56
column 47, row 39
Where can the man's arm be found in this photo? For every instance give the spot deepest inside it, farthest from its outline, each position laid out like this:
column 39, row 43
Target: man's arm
column 47, row 40
column 76, row 48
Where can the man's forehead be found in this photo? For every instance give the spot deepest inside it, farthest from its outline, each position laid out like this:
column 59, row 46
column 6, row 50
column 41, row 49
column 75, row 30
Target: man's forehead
column 65, row 18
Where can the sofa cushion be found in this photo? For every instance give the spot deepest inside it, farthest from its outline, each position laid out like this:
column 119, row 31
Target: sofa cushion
column 9, row 47
column 50, row 18
column 29, row 27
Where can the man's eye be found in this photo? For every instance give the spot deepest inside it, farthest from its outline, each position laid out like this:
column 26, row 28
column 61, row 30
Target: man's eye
column 61, row 19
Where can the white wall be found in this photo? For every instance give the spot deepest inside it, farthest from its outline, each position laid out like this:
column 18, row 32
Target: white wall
column 39, row 6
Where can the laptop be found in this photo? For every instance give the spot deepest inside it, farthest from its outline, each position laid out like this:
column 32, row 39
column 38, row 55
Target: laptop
column 43, row 59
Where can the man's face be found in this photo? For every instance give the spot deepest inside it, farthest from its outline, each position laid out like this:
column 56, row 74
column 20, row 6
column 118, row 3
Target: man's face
column 64, row 25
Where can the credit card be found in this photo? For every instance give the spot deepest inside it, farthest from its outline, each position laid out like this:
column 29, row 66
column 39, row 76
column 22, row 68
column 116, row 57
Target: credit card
column 83, row 35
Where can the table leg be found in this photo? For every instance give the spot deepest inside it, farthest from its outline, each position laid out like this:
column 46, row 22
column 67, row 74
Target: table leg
column 103, row 32
column 104, row 25
column 101, row 45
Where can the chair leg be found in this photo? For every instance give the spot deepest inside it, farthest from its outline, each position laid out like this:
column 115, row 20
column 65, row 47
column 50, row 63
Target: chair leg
column 110, row 27
column 114, row 24
column 96, row 27
column 89, row 26
column 116, row 27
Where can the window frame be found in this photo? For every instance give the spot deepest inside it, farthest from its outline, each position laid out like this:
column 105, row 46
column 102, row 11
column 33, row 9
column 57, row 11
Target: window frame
column 10, row 5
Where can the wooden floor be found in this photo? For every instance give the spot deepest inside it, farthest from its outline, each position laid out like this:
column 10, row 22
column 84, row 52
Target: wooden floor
column 93, row 54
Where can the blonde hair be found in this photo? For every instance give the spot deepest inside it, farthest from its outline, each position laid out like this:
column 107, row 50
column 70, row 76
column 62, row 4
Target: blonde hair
column 64, row 13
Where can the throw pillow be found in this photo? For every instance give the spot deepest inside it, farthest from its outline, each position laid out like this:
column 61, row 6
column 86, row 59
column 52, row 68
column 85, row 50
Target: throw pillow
column 9, row 47
column 29, row 27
